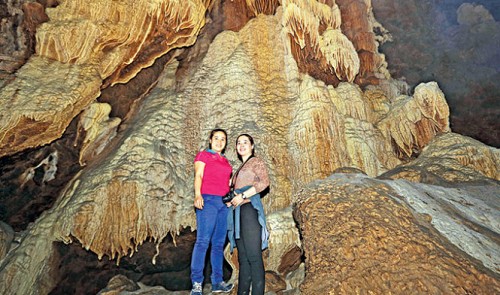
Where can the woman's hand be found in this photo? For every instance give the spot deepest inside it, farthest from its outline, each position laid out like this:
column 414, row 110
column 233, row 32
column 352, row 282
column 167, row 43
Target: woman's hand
column 238, row 200
column 199, row 168
column 198, row 202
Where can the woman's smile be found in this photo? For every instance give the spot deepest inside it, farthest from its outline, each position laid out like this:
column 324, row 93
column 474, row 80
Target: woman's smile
column 244, row 146
column 218, row 142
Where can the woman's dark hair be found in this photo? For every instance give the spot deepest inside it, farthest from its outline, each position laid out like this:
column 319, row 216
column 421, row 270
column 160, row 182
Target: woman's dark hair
column 212, row 133
column 251, row 142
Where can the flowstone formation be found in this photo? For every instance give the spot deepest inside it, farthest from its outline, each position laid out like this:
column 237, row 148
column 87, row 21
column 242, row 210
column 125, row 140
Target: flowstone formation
column 359, row 236
column 303, row 77
column 412, row 233
column 84, row 48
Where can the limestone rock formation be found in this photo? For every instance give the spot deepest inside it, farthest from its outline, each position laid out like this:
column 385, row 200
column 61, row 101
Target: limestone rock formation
column 99, row 129
column 414, row 122
column 305, row 79
column 81, row 46
column 284, row 242
column 314, row 29
column 360, row 236
column 113, row 39
column 454, row 43
column 262, row 6
column 451, row 158
column 119, row 284
column 6, row 239
column 20, row 20
column 37, row 108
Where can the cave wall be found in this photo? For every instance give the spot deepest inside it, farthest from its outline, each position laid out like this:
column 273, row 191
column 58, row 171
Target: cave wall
column 454, row 43
column 132, row 95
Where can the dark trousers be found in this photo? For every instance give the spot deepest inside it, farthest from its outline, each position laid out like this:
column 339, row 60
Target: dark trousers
column 250, row 253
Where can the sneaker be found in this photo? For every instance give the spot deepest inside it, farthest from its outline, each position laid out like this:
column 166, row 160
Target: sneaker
column 197, row 289
column 222, row 287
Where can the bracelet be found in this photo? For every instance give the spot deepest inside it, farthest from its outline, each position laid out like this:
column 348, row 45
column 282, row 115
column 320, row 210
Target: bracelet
column 243, row 195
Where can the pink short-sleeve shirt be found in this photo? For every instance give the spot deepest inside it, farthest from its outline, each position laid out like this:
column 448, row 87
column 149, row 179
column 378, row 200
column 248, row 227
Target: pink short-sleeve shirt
column 216, row 174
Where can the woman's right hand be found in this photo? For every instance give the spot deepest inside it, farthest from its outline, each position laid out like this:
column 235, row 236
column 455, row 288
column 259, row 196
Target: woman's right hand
column 198, row 202
column 238, row 200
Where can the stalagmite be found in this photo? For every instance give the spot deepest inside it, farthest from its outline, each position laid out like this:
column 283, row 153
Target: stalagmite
column 414, row 121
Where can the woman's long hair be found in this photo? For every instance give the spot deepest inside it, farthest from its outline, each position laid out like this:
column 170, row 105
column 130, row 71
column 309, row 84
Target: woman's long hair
column 251, row 142
column 212, row 133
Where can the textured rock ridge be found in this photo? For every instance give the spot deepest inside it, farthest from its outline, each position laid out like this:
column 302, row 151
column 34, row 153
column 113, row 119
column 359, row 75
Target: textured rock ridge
column 451, row 158
column 20, row 20
column 358, row 238
column 119, row 37
column 306, row 80
column 36, row 108
column 81, row 46
column 314, row 29
column 413, row 122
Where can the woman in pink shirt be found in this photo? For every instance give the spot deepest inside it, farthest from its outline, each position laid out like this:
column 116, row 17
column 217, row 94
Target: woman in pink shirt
column 211, row 182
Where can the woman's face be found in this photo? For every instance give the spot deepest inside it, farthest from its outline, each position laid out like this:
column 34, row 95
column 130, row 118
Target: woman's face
column 218, row 141
column 244, row 146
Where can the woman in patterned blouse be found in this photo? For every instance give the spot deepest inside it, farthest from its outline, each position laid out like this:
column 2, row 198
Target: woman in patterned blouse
column 250, row 230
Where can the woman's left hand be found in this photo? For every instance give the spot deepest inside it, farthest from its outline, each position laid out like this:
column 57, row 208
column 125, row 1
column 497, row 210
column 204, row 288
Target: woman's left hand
column 237, row 200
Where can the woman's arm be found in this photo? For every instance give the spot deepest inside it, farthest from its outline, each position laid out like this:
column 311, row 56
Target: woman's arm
column 249, row 192
column 261, row 179
column 199, row 167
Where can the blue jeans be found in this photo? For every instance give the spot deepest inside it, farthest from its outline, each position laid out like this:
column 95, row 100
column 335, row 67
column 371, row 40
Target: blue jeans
column 211, row 224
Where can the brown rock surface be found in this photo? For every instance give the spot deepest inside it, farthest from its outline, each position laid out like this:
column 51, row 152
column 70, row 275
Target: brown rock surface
column 358, row 238
column 317, row 44
column 450, row 158
column 30, row 181
column 118, row 284
column 274, row 282
column 278, row 78
column 80, row 272
column 358, row 25
column 19, row 22
column 121, row 39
